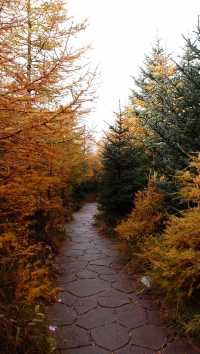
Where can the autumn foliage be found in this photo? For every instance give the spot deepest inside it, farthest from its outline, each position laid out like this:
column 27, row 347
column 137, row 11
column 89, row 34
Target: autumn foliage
column 174, row 257
column 43, row 153
column 145, row 218
column 170, row 256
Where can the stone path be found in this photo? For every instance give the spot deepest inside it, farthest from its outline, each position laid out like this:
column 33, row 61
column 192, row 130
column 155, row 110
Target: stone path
column 99, row 310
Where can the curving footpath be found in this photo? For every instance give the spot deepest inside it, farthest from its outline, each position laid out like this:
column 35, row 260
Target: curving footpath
column 99, row 310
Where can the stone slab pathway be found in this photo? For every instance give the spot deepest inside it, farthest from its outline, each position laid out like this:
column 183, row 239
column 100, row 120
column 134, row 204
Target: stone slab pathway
column 99, row 311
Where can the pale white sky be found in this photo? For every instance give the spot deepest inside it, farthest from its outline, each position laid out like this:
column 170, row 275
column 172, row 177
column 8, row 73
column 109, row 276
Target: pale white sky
column 121, row 32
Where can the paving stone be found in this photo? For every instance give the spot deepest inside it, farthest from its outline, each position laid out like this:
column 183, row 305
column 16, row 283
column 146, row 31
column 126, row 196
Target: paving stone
column 132, row 316
column 75, row 266
column 86, row 350
column 101, row 262
column 147, row 302
column 85, row 304
column 124, row 285
column 118, row 266
column 109, row 277
column 113, row 299
column 72, row 337
column 94, row 252
column 75, row 252
column 67, row 298
column 89, row 258
column 80, row 247
column 134, row 350
column 111, row 336
column 100, row 269
column 86, row 274
column 59, row 314
column 125, row 350
column 86, row 287
column 101, row 309
column 179, row 347
column 77, row 260
column 150, row 336
column 153, row 317
column 97, row 317
column 65, row 279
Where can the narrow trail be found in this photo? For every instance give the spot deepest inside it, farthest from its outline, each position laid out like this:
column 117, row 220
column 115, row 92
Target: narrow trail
column 99, row 310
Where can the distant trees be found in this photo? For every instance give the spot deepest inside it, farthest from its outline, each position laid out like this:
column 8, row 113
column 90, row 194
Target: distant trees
column 121, row 175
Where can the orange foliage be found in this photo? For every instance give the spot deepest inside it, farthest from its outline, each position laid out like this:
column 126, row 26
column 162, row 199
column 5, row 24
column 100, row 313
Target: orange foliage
column 145, row 218
column 137, row 131
column 43, row 91
column 174, row 258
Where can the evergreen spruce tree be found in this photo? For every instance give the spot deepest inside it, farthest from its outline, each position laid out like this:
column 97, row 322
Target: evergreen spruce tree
column 188, row 95
column 123, row 172
column 155, row 102
column 166, row 100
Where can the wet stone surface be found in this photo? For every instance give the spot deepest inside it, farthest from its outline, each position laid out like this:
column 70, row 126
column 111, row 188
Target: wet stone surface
column 98, row 309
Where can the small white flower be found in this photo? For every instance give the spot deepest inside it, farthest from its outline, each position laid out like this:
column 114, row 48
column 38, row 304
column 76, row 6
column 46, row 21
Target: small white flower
column 52, row 328
column 146, row 281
